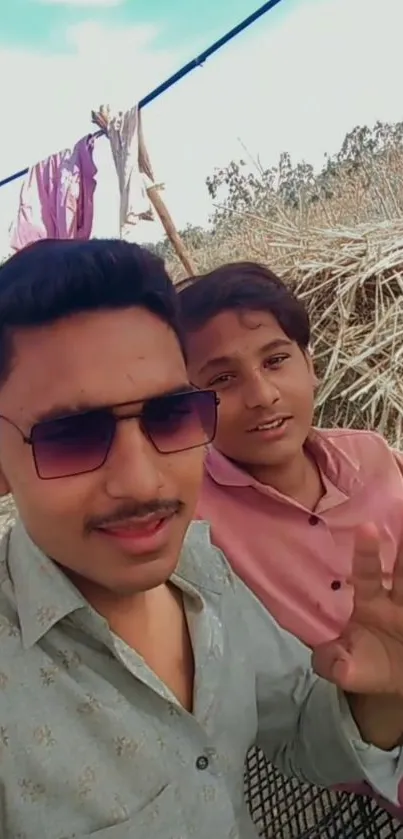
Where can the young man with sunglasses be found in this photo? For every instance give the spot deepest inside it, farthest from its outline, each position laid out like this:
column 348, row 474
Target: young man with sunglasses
column 136, row 670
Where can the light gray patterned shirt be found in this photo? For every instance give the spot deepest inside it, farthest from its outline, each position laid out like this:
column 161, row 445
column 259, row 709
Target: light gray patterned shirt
column 93, row 744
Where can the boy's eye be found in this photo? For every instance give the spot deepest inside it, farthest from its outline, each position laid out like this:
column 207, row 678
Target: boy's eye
column 276, row 360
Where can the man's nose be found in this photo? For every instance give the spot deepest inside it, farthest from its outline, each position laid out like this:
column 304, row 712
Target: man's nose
column 133, row 468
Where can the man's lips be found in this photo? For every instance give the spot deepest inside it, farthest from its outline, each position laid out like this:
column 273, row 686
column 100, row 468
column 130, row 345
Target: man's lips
column 136, row 527
column 140, row 535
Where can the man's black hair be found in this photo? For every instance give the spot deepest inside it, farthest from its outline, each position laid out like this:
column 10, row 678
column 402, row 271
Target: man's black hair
column 243, row 286
column 56, row 278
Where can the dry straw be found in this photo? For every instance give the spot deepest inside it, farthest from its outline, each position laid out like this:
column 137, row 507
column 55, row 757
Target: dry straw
column 351, row 283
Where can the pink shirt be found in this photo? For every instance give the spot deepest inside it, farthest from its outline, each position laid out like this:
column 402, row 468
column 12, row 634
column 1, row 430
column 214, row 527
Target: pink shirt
column 298, row 562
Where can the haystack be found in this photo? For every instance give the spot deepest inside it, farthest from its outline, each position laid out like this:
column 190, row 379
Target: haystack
column 352, row 284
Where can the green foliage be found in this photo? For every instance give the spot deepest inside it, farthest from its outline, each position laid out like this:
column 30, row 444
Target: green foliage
column 362, row 183
column 240, row 189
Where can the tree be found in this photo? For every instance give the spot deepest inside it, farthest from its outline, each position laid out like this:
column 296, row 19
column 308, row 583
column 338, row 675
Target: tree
column 369, row 161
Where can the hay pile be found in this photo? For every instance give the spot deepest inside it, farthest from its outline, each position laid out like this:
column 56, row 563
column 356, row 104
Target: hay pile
column 351, row 280
column 352, row 284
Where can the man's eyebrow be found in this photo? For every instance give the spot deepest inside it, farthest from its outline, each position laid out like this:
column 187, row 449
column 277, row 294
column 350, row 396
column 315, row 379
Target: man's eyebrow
column 59, row 411
column 223, row 360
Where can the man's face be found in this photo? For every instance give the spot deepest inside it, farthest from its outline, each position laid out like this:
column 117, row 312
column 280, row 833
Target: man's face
column 265, row 384
column 95, row 524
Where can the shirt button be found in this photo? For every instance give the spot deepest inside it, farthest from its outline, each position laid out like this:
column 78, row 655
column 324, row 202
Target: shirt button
column 335, row 585
column 202, row 762
column 313, row 520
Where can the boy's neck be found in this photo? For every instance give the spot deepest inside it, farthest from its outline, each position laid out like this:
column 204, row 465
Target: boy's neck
column 299, row 479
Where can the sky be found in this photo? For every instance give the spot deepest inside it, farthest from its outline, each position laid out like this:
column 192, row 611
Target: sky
column 297, row 80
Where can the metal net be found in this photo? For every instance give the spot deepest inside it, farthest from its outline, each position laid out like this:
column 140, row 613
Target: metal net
column 286, row 809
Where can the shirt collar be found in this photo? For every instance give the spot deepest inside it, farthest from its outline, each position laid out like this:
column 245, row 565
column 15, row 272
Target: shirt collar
column 195, row 565
column 340, row 469
column 44, row 595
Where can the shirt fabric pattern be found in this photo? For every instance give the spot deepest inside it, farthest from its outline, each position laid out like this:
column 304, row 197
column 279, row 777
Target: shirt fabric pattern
column 92, row 743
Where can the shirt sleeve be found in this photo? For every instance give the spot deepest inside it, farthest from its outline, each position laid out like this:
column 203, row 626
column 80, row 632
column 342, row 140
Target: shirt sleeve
column 304, row 723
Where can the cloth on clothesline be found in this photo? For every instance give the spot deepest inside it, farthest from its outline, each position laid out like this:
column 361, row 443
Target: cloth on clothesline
column 132, row 165
column 57, row 197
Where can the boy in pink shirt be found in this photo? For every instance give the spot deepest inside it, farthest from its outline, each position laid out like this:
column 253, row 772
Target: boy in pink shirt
column 283, row 499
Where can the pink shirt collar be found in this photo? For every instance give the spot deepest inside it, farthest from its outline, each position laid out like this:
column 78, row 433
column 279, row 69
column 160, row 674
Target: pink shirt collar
column 340, row 473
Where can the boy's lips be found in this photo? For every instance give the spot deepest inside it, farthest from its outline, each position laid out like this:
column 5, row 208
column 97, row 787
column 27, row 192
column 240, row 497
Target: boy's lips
column 271, row 423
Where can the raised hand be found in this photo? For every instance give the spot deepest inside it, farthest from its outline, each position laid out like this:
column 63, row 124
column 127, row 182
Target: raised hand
column 367, row 658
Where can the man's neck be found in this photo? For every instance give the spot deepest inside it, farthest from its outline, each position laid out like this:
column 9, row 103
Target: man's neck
column 298, row 478
column 118, row 609
column 154, row 624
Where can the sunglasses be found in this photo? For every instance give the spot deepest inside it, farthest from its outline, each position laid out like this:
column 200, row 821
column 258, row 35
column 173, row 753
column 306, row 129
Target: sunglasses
column 80, row 442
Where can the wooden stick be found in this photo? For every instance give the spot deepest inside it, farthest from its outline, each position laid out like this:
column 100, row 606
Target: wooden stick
column 165, row 217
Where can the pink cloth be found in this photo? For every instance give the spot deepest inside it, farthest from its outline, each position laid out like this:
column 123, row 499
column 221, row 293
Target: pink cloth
column 57, row 197
column 298, row 562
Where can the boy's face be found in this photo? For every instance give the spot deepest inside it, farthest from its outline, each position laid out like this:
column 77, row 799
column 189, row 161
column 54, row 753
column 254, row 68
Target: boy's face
column 265, row 383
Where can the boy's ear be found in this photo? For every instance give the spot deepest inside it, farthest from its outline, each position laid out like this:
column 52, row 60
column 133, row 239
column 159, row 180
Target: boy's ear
column 310, row 363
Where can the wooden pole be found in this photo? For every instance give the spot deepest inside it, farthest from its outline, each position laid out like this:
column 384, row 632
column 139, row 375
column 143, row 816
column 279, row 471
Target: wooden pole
column 165, row 217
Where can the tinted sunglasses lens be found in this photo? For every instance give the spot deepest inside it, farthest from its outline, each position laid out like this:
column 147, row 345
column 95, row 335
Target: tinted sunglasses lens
column 72, row 445
column 182, row 421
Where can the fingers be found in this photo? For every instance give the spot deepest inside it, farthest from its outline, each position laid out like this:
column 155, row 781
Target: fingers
column 367, row 569
column 333, row 662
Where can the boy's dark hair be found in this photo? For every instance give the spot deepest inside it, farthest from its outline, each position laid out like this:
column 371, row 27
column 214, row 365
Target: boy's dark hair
column 55, row 278
column 243, row 286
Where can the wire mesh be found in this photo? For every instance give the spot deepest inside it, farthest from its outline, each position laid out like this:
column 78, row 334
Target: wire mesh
column 283, row 808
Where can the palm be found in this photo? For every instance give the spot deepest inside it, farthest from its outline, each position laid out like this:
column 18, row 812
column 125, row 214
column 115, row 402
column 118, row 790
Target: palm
column 367, row 658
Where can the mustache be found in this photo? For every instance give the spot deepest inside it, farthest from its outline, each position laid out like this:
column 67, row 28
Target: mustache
column 135, row 511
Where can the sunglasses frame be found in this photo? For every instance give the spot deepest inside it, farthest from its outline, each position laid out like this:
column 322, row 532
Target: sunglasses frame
column 30, row 438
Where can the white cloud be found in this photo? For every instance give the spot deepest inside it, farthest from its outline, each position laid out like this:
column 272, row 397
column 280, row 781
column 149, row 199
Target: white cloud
column 298, row 85
column 130, row 48
column 82, row 4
